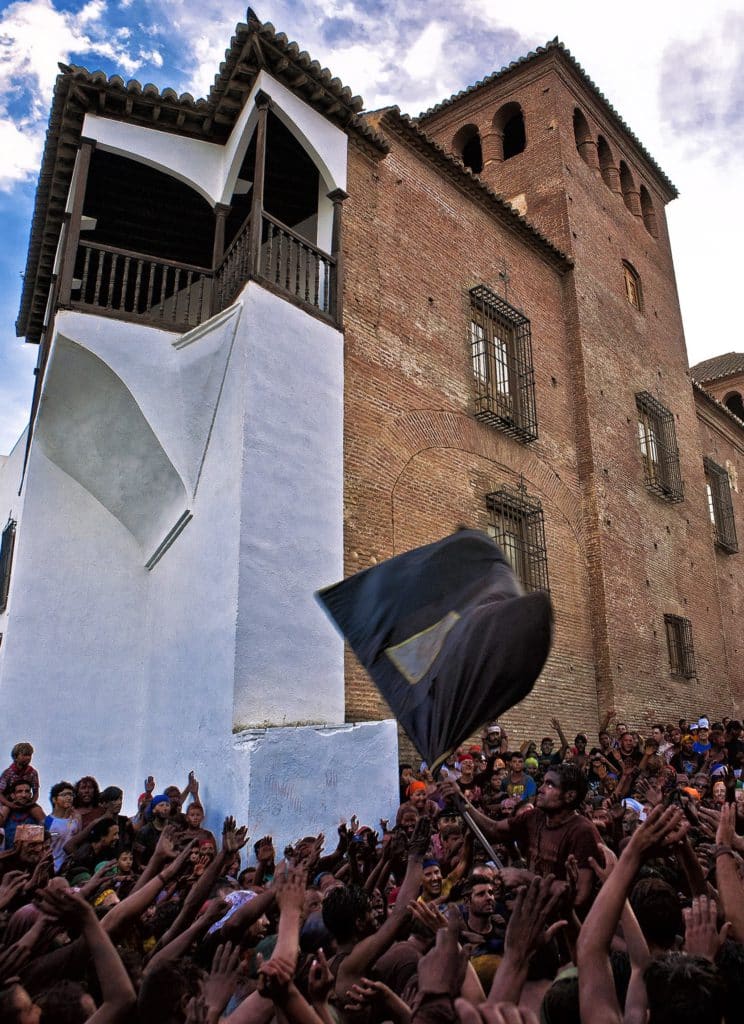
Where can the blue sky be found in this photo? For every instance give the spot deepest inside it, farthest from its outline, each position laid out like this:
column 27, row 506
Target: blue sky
column 672, row 70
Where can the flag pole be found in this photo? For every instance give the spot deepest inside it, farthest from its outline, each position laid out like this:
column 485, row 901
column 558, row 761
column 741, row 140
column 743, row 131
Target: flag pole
column 469, row 820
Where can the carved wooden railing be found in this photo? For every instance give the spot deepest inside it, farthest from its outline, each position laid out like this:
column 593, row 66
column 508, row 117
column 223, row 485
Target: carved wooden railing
column 234, row 269
column 178, row 296
column 286, row 261
column 294, row 265
column 134, row 286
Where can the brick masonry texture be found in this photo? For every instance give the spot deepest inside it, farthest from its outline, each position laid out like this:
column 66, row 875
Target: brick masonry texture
column 418, row 463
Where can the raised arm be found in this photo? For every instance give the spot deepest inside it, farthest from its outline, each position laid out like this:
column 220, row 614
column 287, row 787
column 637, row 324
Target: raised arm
column 597, row 995
column 370, row 949
column 116, row 989
column 730, row 889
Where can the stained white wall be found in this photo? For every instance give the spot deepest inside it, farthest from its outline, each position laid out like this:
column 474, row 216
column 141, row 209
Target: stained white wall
column 126, row 672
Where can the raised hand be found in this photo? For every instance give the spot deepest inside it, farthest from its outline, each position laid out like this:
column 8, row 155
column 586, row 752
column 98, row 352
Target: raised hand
column 604, row 870
column 275, row 977
column 289, row 890
column 222, row 980
column 319, row 979
column 420, row 839
column 149, row 784
column 12, row 960
column 172, row 870
column 442, row 970
column 702, row 937
column 65, row 906
column 428, row 915
column 233, row 838
column 265, row 852
column 166, row 845
column 526, row 929
column 662, row 828
column 12, row 884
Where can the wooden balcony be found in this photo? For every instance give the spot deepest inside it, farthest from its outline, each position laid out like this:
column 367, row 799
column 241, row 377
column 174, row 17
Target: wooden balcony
column 176, row 296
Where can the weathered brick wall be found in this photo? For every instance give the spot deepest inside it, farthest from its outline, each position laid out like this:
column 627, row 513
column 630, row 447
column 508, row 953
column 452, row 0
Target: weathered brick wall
column 646, row 556
column 417, row 463
column 722, row 440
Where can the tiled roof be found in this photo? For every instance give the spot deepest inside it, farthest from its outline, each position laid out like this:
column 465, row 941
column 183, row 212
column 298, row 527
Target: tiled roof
column 253, row 47
column 698, row 389
column 718, row 366
column 555, row 46
column 392, row 119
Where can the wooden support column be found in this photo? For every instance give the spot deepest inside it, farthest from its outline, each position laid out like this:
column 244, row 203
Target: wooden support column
column 263, row 105
column 337, row 197
column 72, row 222
column 221, row 210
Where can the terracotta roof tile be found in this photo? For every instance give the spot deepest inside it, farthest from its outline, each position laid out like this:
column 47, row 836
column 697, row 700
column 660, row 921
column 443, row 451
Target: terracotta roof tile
column 718, row 366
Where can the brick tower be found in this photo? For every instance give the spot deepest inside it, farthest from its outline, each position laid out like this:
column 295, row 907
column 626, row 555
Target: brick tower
column 541, row 134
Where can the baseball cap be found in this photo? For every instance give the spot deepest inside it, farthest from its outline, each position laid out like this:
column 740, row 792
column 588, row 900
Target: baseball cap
column 494, row 727
column 694, row 726
column 703, row 723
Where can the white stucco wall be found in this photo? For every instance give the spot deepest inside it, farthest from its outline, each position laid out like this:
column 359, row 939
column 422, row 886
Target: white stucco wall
column 126, row 672
column 289, row 660
column 11, row 507
column 301, row 781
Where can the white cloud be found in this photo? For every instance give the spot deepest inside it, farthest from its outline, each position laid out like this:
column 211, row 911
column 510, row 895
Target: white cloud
column 34, row 37
column 21, row 153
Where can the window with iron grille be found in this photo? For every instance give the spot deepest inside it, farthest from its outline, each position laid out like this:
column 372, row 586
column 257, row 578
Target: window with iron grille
column 501, row 348
column 658, row 443
column 679, row 642
column 516, row 523
column 6, row 558
column 720, row 506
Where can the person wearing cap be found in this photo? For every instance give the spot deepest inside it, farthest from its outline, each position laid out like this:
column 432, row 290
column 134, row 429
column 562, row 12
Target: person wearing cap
column 702, row 743
column 147, row 837
column 493, row 740
column 687, row 761
column 20, row 810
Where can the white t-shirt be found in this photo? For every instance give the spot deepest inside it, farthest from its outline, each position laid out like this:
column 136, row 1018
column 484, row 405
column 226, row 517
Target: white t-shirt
column 60, row 829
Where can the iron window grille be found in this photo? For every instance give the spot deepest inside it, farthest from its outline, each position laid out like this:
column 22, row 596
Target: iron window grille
column 658, row 443
column 501, row 349
column 516, row 523
column 720, row 506
column 681, row 651
column 7, row 543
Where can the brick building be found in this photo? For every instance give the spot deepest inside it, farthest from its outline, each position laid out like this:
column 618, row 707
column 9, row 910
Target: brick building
column 467, row 317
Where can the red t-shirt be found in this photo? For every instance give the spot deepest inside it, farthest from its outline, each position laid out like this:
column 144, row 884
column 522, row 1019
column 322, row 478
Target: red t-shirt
column 547, row 846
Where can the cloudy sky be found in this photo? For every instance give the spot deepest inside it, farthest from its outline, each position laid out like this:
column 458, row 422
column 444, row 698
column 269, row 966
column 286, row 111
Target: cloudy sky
column 671, row 69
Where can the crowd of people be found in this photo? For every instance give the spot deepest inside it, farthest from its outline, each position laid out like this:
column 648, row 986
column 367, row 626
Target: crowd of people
column 603, row 882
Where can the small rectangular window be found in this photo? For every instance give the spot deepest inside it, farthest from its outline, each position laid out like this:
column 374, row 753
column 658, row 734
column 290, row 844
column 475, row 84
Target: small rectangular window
column 517, row 525
column 720, row 506
column 7, row 543
column 658, row 443
column 681, row 651
column 501, row 350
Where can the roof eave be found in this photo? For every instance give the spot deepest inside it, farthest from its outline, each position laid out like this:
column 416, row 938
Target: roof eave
column 463, row 177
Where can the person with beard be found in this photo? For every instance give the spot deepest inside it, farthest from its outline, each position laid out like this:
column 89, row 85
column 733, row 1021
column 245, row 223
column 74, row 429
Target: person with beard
column 552, row 831
column 21, row 809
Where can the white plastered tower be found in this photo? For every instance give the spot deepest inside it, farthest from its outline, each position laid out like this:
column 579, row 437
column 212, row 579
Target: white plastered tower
column 182, row 493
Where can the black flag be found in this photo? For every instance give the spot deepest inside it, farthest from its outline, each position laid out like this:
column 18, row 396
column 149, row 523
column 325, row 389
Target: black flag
column 446, row 634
